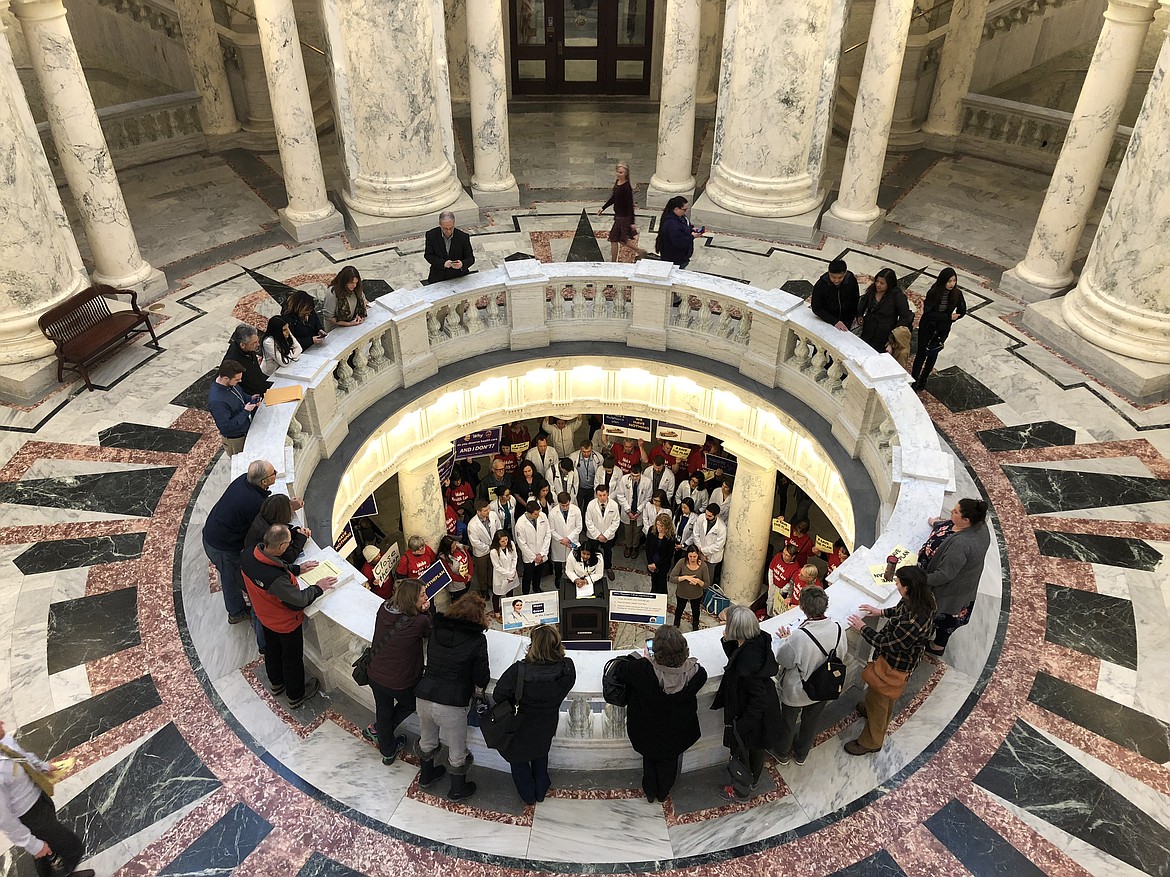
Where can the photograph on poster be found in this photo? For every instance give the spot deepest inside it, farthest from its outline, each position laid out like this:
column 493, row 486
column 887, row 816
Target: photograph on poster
column 530, row 610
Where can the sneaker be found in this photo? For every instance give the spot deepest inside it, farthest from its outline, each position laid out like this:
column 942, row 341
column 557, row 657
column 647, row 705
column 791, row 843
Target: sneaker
column 371, row 734
column 311, row 688
column 728, row 793
column 801, row 759
column 276, row 690
column 781, row 759
column 399, row 745
column 239, row 616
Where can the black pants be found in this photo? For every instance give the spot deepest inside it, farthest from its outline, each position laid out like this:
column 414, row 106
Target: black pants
column 531, row 779
column 393, row 707
column 679, row 605
column 658, row 776
column 924, row 360
column 284, row 660
column 756, row 765
column 799, row 741
column 41, row 820
column 607, row 553
column 716, row 572
column 531, row 579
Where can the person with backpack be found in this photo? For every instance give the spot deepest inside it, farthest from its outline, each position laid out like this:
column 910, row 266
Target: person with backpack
column 813, row 674
column 662, row 715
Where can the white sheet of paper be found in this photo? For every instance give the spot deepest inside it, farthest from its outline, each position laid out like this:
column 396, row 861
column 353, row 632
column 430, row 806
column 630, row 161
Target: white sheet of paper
column 585, row 590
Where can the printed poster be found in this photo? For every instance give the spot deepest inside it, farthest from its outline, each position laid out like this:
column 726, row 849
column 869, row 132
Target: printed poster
column 530, row 610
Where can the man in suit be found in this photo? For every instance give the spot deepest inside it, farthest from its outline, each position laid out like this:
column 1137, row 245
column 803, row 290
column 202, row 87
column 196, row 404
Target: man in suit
column 448, row 250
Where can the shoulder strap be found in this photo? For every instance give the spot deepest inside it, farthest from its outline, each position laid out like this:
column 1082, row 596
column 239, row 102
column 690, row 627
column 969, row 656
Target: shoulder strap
column 393, row 630
column 519, row 683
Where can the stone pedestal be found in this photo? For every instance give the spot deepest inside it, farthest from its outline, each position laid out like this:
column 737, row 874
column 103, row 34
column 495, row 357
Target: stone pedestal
column 421, row 495
column 956, row 65
column 676, row 110
column 855, row 214
column 201, row 40
column 309, row 214
column 492, row 182
column 770, row 85
column 81, row 147
column 749, row 525
column 1047, row 268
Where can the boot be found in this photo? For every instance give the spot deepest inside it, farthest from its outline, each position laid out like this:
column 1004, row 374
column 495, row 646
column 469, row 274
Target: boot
column 428, row 770
column 460, row 787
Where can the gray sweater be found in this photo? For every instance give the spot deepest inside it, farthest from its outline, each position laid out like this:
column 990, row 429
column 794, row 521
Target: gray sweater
column 953, row 573
column 799, row 656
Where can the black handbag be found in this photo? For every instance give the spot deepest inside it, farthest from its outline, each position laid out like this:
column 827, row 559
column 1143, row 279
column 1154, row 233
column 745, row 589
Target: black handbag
column 500, row 723
column 361, row 667
column 737, row 764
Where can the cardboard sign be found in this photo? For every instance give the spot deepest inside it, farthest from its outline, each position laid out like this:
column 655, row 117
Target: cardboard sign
column 712, row 462
column 781, row 526
column 622, row 426
column 530, row 610
column 824, row 545
column 486, row 441
column 434, row 578
column 675, row 433
column 680, row 452
column 446, row 467
column 344, row 542
column 386, row 563
column 520, row 448
column 905, row 558
column 636, row 607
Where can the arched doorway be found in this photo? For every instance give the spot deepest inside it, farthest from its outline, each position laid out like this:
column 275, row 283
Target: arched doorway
column 581, row 46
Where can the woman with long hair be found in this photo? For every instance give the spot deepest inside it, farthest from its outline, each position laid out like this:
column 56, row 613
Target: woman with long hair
column 584, row 569
column 660, row 542
column 548, row 678
column 456, row 559
column 277, row 509
column 676, row 236
column 691, row 577
column 279, row 346
column 897, row 648
column 953, row 558
column 944, row 304
column 684, row 520
column 504, row 559
column 300, row 312
column 883, row 307
column 623, row 231
column 346, row 303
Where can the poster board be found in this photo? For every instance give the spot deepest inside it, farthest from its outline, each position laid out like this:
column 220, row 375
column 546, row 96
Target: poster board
column 530, row 610
column 622, row 427
column 637, row 607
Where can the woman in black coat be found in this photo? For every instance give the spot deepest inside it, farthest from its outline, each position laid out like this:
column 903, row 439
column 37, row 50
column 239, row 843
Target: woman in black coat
column 660, row 542
column 747, row 695
column 548, row 678
column 676, row 236
column 944, row 305
column 663, row 716
column 883, row 307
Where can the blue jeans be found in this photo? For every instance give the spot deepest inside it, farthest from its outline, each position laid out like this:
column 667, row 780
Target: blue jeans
column 231, row 583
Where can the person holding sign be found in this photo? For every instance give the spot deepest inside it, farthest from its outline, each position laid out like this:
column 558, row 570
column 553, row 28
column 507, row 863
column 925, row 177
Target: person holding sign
column 457, row 561
column 562, row 433
column 418, row 557
column 533, row 537
column 504, row 559
column 584, row 573
column 802, row 541
column 839, row 556
column 781, row 571
column 602, row 518
column 564, row 523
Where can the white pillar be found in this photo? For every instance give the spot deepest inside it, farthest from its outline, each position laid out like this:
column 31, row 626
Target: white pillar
column 1047, row 268
column 420, row 494
column 81, row 146
column 397, row 176
column 855, row 214
column 769, row 89
column 492, row 183
column 205, row 55
column 443, row 79
column 309, row 214
column 676, row 106
column 749, row 525
column 41, row 265
column 956, row 65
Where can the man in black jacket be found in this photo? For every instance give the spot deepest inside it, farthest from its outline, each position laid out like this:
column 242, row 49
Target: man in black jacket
column 244, row 348
column 835, row 296
column 448, row 250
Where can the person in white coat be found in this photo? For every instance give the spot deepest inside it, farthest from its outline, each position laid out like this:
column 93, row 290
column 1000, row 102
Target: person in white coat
column 562, row 433
column 710, row 535
column 563, row 478
column 564, row 522
column 533, row 538
column 685, row 517
column 480, row 530
column 585, row 571
column 542, row 455
column 659, row 476
column 633, row 491
column 602, row 518
column 722, row 496
column 695, row 489
column 656, row 504
column 503, row 556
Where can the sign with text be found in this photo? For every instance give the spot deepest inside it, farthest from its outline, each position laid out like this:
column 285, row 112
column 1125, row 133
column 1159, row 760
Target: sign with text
column 344, row 542
column 519, row 448
column 530, row 610
column 680, row 452
column 386, row 564
column 486, row 441
column 637, row 607
column 781, row 526
column 824, row 545
column 446, row 467
column 368, row 508
column 905, row 558
column 621, row 426
column 675, row 433
column 712, row 462
column 434, row 578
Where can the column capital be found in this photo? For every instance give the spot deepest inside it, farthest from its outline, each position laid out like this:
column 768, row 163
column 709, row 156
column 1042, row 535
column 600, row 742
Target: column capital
column 1133, row 11
column 38, row 10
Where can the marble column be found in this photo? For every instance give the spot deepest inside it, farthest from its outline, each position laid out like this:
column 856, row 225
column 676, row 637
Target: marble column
column 443, row 79
column 1121, row 304
column 676, row 106
column 41, row 264
column 420, row 494
column 309, row 214
column 396, row 176
column 749, row 525
column 217, row 113
column 492, row 183
column 956, row 65
column 1047, row 268
column 769, row 92
column 855, row 214
column 81, row 147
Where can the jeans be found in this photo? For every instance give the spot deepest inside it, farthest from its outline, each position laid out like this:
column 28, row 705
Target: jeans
column 439, row 721
column 925, row 358
column 231, row 583
column 284, row 660
column 67, row 847
column 798, row 742
column 531, row 779
column 658, row 776
column 393, row 707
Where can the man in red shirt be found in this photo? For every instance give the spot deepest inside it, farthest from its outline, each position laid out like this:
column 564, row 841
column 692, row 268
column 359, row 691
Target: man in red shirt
column 418, row 557
column 781, row 571
column 459, row 492
column 626, row 455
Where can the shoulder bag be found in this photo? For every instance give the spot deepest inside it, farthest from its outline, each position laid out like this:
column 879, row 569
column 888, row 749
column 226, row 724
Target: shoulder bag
column 500, row 723
column 361, row 667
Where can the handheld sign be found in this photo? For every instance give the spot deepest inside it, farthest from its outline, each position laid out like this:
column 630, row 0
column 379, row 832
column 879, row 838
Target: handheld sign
column 712, row 462
column 626, row 427
column 434, row 578
column 477, row 444
column 781, row 526
column 824, row 545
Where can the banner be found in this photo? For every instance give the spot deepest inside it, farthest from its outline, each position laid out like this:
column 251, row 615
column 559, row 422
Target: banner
column 386, row 564
column 434, row 578
column 675, row 433
column 824, row 545
column 530, row 610
column 712, row 462
column 781, row 526
column 486, row 441
column 620, row 426
column 636, row 607
column 446, row 467
column 367, row 509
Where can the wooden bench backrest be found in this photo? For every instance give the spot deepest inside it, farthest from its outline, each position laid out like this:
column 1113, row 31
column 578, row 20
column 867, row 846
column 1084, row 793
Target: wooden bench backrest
column 76, row 314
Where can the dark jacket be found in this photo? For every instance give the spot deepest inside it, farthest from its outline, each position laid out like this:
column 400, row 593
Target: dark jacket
column 230, row 518
column 260, row 527
column 457, row 662
column 521, row 488
column 398, row 664
column 675, row 242
column 882, row 316
column 747, row 693
column 277, row 599
column 953, row 571
column 935, row 326
column 436, row 254
column 660, row 725
column 622, row 200
column 305, row 331
column 226, row 405
column 254, row 382
column 835, row 304
column 545, row 689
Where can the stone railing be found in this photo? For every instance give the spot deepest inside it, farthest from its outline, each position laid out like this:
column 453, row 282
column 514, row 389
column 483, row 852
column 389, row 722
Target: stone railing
column 158, row 15
column 771, row 337
column 1023, row 134
column 143, row 131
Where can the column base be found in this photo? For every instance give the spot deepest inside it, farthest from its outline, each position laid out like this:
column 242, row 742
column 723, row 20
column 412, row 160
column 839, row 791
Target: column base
column 939, row 142
column 367, row 228
column 25, row 382
column 1015, row 285
column 850, row 229
column 301, row 230
column 1143, row 382
column 488, row 200
column 151, row 288
column 656, row 198
column 801, row 228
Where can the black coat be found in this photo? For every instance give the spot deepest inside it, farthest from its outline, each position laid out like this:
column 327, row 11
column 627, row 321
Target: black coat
column 836, row 304
column 457, row 662
column 545, row 689
column 254, row 382
column 305, row 331
column 675, row 242
column 660, row 725
column 747, row 694
column 880, row 317
column 436, row 254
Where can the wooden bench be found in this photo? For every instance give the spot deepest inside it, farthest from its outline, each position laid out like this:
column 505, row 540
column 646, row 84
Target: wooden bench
column 84, row 329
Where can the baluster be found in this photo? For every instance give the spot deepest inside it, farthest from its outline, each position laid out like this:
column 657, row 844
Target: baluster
column 800, row 353
column 472, row 317
column 343, row 376
column 432, row 327
column 744, row 331
column 579, row 301
column 360, row 361
column 615, row 722
column 549, row 304
column 820, row 363
column 378, row 359
column 600, row 305
column 724, row 328
column 836, row 376
column 296, row 434
column 451, row 325
column 580, row 716
column 619, row 303
column 568, row 295
column 493, row 310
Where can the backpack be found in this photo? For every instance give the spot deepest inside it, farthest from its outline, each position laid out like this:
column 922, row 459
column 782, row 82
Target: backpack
column 827, row 681
column 613, row 689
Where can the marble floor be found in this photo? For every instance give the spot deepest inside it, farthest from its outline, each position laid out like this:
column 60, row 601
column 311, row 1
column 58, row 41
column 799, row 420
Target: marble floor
column 1040, row 745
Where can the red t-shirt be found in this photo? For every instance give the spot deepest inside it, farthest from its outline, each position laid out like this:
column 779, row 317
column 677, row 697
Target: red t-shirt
column 452, row 517
column 411, row 566
column 798, row 586
column 511, row 461
column 625, row 460
column 696, row 461
column 804, row 547
column 835, row 560
column 457, row 496
column 781, row 573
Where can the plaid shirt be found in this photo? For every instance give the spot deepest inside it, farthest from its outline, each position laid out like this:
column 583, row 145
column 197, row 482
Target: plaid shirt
column 903, row 639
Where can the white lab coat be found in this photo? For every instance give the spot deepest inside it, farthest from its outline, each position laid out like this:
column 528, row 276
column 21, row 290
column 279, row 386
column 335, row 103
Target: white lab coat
column 650, row 515
column 699, row 496
column 563, row 529
column 685, row 529
column 532, row 537
column 574, row 570
column 504, row 579
column 666, row 482
column 582, row 471
column 563, row 439
column 543, row 464
column 711, row 537
column 556, row 485
column 625, row 496
column 480, row 532
column 498, row 511
column 613, row 483
column 605, row 525
column 724, row 504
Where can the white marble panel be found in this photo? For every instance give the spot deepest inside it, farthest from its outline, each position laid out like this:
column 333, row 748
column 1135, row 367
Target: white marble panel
column 719, row 833
column 462, row 831
column 566, row 831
